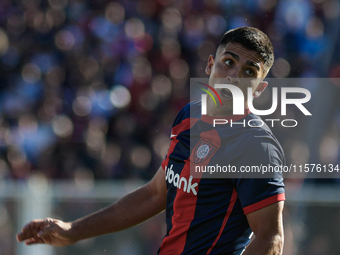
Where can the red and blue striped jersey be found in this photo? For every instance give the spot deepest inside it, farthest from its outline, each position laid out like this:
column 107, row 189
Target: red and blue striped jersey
column 208, row 215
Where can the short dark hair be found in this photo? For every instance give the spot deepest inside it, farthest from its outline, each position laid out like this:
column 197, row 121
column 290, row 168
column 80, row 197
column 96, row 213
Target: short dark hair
column 253, row 39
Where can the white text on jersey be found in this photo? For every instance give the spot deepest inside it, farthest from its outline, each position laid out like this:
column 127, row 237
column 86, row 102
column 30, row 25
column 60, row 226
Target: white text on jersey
column 171, row 177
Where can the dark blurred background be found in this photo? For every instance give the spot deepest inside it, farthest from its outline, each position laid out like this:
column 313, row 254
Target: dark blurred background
column 89, row 89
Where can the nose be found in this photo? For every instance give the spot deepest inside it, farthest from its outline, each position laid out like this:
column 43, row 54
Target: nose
column 235, row 73
column 233, row 79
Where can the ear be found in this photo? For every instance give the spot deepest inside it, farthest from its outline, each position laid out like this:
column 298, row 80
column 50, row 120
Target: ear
column 211, row 61
column 260, row 88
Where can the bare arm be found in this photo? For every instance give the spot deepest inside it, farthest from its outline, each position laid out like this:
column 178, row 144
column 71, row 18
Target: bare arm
column 128, row 211
column 266, row 224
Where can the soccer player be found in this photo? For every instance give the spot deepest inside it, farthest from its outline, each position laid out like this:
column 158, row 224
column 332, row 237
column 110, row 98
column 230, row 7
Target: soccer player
column 203, row 215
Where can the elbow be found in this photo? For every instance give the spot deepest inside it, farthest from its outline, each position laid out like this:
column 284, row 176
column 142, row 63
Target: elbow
column 278, row 242
column 275, row 244
column 271, row 244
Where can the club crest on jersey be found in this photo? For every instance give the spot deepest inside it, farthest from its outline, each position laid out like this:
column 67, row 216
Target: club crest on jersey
column 203, row 150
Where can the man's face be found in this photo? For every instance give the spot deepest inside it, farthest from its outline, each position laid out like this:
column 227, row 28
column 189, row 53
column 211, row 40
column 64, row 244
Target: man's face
column 238, row 66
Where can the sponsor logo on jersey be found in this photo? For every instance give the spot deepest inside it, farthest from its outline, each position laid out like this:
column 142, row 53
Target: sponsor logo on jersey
column 180, row 182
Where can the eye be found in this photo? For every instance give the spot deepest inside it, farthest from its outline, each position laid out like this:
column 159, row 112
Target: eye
column 250, row 72
column 229, row 62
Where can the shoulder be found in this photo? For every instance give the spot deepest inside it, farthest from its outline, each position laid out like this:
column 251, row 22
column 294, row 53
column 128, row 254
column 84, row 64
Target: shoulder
column 261, row 134
column 187, row 111
column 260, row 143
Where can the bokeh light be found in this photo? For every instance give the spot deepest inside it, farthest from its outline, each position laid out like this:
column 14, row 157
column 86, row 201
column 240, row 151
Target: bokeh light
column 314, row 28
column 31, row 4
column 58, row 4
column 16, row 157
column 43, row 22
column 141, row 69
column 134, row 28
column 329, row 149
column 115, row 12
column 64, row 40
column 216, row 25
column 51, row 107
column 111, row 155
column 31, row 73
column 4, row 169
column 82, row 106
column 161, row 85
column 172, row 19
column 331, row 9
column 281, row 68
column 95, row 141
column 89, row 67
column 194, row 25
column 55, row 76
column 267, row 4
column 120, row 96
column 294, row 16
column 144, row 44
column 28, row 123
column 140, row 156
column 171, row 49
column 62, row 126
column 4, row 42
column 179, row 69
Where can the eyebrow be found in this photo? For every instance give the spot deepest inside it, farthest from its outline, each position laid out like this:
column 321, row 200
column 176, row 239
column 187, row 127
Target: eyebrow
column 232, row 54
column 249, row 63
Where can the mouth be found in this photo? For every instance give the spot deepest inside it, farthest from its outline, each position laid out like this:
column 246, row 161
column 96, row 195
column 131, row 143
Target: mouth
column 226, row 93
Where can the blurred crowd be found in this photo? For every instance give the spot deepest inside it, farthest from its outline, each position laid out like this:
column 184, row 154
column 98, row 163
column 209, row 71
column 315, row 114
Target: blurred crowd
column 89, row 89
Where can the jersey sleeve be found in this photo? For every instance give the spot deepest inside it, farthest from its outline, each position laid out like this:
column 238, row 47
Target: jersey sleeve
column 256, row 193
column 180, row 123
